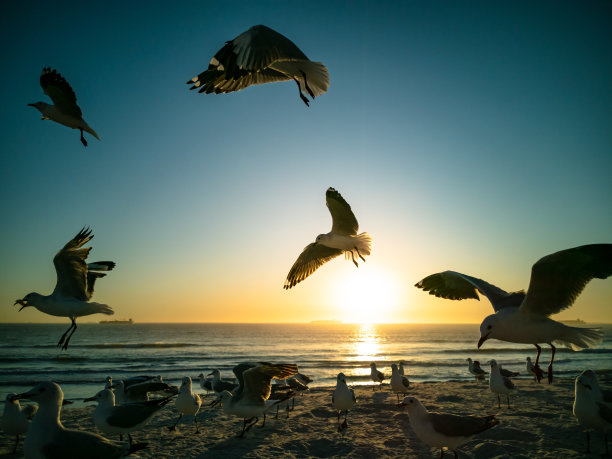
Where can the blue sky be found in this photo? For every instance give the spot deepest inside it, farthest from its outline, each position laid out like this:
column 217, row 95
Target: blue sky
column 472, row 136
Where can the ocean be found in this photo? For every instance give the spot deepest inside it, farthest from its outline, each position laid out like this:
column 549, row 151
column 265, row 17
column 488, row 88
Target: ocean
column 430, row 352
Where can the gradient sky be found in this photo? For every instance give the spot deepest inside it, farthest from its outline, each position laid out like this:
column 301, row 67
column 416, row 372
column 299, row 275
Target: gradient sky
column 473, row 136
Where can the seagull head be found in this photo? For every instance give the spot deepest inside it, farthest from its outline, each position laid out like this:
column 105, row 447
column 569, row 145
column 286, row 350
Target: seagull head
column 12, row 399
column 487, row 329
column 105, row 395
column 46, row 392
column 29, row 300
column 493, row 363
column 225, row 395
column 341, row 378
column 41, row 107
column 413, row 404
column 186, row 384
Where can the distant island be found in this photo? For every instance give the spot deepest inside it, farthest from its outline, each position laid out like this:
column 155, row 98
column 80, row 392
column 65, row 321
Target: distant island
column 117, row 322
column 326, row 322
column 573, row 322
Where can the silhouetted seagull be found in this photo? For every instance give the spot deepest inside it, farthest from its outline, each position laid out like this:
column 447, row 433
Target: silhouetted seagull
column 592, row 406
column 442, row 430
column 74, row 287
column 114, row 419
column 474, row 368
column 65, row 111
column 375, row 375
column 399, row 383
column 205, row 383
column 251, row 398
column 47, row 437
column 499, row 384
column 342, row 238
column 261, row 55
column 16, row 418
column 187, row 403
column 508, row 373
column 135, row 391
column 531, row 369
column 556, row 282
column 343, row 399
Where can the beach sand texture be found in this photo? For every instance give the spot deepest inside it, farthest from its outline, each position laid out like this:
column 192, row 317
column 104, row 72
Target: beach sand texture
column 539, row 423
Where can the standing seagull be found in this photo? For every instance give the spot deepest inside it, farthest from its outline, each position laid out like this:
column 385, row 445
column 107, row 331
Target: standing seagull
column 556, row 281
column 16, row 418
column 187, row 403
column 441, row 430
column 65, row 111
column 592, row 406
column 342, row 238
column 251, row 398
column 47, row 437
column 375, row 375
column 261, row 55
column 343, row 399
column 531, row 369
column 399, row 383
column 474, row 368
column 499, row 384
column 74, row 287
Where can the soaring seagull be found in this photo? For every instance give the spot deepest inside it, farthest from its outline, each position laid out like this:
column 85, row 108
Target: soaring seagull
column 342, row 238
column 556, row 282
column 65, row 111
column 261, row 55
column 74, row 287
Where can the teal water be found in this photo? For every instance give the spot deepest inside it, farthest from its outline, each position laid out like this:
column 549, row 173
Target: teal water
column 28, row 353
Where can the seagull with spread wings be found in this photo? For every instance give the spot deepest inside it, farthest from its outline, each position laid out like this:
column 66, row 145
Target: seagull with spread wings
column 74, row 287
column 65, row 111
column 342, row 238
column 261, row 55
column 556, row 282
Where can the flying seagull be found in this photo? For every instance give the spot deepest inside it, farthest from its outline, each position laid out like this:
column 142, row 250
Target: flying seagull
column 442, row 430
column 114, row 419
column 342, row 238
column 47, row 437
column 592, row 405
column 343, row 399
column 74, row 287
column 16, row 418
column 556, row 282
column 250, row 400
column 65, row 111
column 261, row 55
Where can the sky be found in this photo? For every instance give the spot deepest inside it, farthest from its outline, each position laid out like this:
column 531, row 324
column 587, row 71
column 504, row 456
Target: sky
column 472, row 136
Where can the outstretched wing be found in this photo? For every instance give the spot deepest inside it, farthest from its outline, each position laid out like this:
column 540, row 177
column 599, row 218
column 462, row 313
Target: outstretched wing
column 343, row 219
column 57, row 88
column 456, row 286
column 312, row 257
column 558, row 279
column 71, row 268
column 257, row 379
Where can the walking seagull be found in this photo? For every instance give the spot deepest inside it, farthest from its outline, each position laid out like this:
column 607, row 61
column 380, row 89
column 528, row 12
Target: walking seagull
column 74, row 287
column 47, row 437
column 16, row 418
column 343, row 399
column 65, row 111
column 261, row 55
column 592, row 406
column 187, row 403
column 251, row 398
column 441, row 430
column 114, row 419
column 556, row 282
column 342, row 238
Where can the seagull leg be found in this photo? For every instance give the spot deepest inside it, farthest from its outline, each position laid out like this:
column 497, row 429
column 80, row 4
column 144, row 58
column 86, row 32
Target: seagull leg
column 508, row 400
column 441, row 452
column 456, row 455
column 353, row 258
column 550, row 367
column 61, row 341
column 244, row 423
column 306, row 84
column 120, row 437
column 195, row 420
column 302, row 96
column 16, row 443
column 358, row 253
column 83, row 141
column 74, row 327
column 176, row 423
column 288, row 411
column 264, row 421
column 536, row 367
column 498, row 402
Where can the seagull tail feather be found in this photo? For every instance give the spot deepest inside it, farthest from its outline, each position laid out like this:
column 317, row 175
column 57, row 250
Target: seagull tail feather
column 100, row 308
column 87, row 128
column 364, row 243
column 580, row 338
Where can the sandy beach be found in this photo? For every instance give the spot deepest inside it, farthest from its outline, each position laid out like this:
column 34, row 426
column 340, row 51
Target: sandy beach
column 539, row 423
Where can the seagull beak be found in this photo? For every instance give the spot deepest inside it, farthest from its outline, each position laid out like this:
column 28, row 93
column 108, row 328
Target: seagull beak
column 23, row 304
column 482, row 340
column 20, row 396
column 210, row 374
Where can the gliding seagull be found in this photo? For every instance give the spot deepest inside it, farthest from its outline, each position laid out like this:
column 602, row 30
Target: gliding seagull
column 261, row 55
column 74, row 287
column 556, row 281
column 65, row 111
column 342, row 238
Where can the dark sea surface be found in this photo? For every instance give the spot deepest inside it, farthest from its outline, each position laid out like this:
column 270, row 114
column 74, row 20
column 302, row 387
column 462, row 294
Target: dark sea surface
column 28, row 352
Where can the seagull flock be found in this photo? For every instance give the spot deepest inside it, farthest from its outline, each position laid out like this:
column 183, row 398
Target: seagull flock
column 261, row 55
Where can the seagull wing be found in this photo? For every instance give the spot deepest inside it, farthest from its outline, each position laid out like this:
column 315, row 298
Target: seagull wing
column 461, row 426
column 605, row 412
column 456, row 286
column 57, row 88
column 343, row 219
column 74, row 443
column 71, row 268
column 312, row 257
column 257, row 379
column 558, row 279
column 29, row 411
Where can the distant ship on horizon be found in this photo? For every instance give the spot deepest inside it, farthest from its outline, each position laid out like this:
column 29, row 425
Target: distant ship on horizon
column 117, row 322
